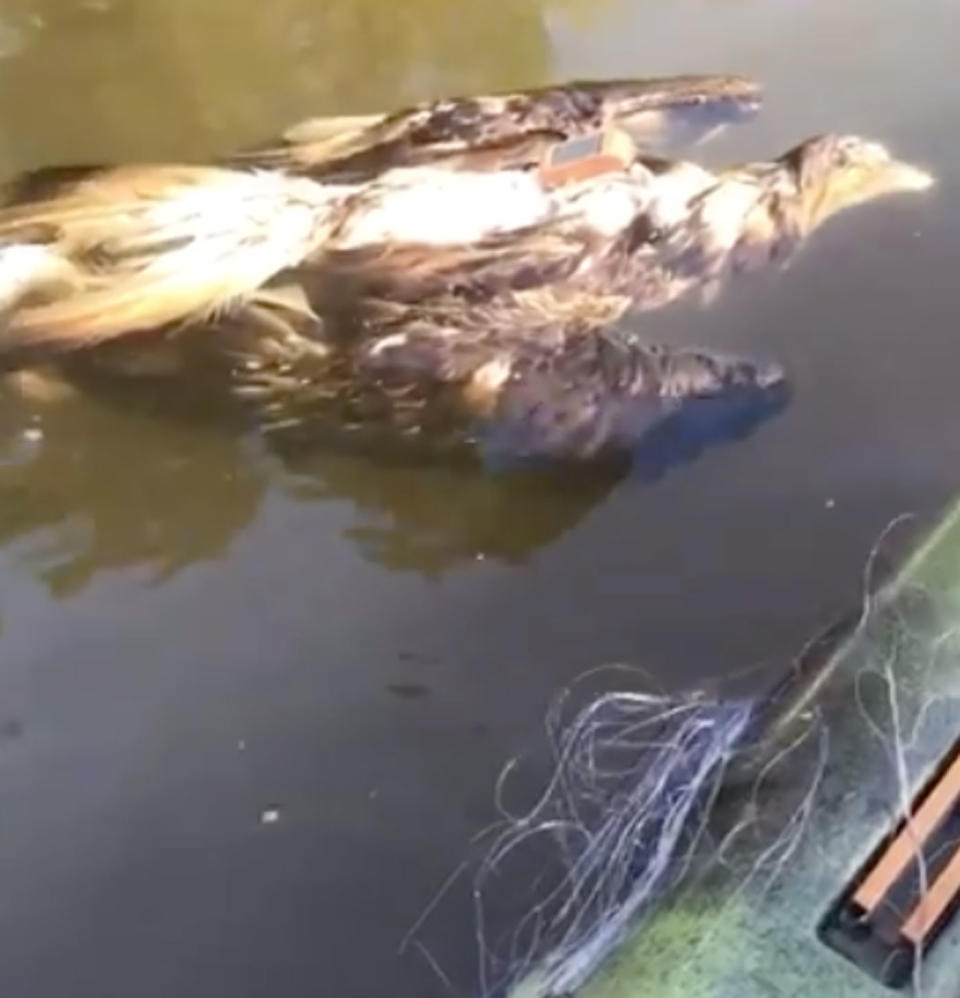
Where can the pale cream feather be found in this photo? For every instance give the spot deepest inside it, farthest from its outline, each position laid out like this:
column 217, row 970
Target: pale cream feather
column 152, row 246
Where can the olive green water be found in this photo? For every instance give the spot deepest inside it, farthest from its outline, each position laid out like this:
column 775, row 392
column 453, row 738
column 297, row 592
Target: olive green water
column 198, row 639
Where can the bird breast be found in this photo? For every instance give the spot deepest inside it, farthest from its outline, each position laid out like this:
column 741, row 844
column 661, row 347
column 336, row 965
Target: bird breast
column 431, row 206
column 443, row 207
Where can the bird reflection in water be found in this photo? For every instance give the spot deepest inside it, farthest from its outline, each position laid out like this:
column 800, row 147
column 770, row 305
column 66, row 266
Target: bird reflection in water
column 84, row 492
column 502, row 348
column 95, row 481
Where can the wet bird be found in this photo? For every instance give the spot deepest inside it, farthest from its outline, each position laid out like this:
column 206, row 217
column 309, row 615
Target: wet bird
column 509, row 129
column 489, row 290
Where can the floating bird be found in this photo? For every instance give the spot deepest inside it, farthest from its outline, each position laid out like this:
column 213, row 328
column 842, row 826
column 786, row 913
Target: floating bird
column 490, row 290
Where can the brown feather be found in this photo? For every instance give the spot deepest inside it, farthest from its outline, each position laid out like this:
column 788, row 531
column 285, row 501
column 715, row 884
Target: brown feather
column 493, row 131
column 155, row 246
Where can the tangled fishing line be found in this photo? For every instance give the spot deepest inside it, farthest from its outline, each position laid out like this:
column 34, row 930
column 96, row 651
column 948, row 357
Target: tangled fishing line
column 636, row 781
column 635, row 774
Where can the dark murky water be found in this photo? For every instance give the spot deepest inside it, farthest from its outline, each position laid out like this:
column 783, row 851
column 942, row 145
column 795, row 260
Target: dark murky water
column 194, row 635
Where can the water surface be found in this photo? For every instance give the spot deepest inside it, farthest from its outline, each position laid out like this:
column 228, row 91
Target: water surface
column 196, row 635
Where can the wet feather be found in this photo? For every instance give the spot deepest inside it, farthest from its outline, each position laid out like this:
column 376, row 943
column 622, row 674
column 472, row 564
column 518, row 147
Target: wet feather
column 480, row 287
column 511, row 129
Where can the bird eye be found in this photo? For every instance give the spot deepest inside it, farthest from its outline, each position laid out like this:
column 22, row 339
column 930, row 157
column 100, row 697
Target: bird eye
column 844, row 154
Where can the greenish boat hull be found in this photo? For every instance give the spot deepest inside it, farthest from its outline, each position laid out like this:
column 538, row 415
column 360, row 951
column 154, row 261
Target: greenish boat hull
column 747, row 928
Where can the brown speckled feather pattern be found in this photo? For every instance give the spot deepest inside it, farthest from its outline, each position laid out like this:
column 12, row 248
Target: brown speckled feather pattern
column 517, row 330
column 495, row 131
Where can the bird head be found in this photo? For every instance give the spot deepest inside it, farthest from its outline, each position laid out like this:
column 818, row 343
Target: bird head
column 834, row 172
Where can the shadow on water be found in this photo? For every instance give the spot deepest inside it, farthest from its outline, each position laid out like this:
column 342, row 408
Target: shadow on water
column 460, row 515
column 101, row 493
column 136, row 481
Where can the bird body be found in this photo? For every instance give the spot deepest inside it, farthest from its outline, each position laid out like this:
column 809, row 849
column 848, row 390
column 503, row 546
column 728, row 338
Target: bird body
column 487, row 283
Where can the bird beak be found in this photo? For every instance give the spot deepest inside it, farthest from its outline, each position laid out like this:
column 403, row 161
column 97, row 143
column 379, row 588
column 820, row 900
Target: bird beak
column 904, row 177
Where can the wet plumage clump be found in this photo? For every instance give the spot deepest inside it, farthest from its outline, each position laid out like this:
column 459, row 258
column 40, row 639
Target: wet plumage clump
column 413, row 269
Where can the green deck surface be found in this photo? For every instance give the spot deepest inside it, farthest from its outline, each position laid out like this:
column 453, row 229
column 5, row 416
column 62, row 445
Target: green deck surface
column 747, row 928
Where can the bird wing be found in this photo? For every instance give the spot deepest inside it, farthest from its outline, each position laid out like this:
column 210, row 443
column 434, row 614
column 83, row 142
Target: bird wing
column 553, row 379
column 496, row 131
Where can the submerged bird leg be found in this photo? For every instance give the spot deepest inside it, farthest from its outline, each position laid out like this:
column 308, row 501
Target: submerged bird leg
column 289, row 298
column 286, row 339
column 284, row 312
